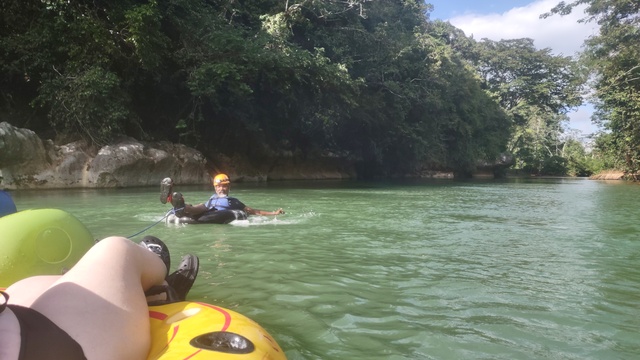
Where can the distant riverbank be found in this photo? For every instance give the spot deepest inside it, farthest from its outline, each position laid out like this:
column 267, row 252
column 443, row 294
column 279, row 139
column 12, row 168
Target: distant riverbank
column 608, row 175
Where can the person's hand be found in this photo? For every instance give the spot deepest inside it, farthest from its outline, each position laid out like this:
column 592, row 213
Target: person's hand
column 279, row 211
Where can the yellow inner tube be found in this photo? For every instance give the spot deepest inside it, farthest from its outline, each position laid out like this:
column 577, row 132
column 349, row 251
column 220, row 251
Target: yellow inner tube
column 194, row 330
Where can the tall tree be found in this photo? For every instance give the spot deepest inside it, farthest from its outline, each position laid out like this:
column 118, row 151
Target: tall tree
column 368, row 80
column 614, row 58
column 536, row 89
column 416, row 102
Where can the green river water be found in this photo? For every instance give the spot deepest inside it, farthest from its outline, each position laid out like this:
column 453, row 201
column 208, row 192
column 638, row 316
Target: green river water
column 514, row 269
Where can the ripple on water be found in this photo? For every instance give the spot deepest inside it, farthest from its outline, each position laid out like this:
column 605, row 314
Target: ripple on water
column 458, row 270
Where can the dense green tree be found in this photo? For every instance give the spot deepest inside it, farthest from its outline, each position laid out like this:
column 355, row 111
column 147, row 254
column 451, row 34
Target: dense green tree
column 536, row 89
column 416, row 102
column 79, row 61
column 614, row 58
column 372, row 81
column 577, row 158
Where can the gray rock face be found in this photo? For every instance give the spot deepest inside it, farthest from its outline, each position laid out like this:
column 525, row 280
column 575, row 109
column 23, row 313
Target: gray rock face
column 28, row 162
column 21, row 148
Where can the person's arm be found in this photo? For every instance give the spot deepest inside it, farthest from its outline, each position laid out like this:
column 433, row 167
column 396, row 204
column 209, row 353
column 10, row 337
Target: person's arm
column 251, row 211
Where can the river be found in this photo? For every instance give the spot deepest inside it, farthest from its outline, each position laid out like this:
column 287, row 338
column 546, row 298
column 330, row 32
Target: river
column 513, row 269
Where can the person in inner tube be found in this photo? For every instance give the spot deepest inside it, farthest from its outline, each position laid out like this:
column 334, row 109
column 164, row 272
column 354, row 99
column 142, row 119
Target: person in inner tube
column 99, row 309
column 218, row 201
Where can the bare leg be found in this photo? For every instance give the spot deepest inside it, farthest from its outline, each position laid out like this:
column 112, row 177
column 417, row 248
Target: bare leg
column 100, row 302
column 26, row 291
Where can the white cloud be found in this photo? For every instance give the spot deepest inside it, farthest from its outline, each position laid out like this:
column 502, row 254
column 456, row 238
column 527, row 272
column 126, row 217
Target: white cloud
column 562, row 34
column 581, row 120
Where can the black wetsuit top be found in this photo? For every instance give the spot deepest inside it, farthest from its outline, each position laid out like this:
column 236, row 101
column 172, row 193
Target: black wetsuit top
column 40, row 338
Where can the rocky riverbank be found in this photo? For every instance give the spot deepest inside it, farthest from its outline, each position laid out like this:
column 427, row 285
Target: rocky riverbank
column 608, row 175
column 28, row 162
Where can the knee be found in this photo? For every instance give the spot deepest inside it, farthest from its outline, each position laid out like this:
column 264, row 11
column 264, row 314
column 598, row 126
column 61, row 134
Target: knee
column 113, row 244
column 115, row 239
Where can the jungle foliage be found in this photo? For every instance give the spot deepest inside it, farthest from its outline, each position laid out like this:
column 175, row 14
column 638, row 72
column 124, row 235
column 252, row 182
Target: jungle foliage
column 372, row 81
column 613, row 57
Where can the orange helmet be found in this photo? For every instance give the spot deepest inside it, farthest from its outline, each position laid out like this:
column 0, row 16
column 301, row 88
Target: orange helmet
column 221, row 179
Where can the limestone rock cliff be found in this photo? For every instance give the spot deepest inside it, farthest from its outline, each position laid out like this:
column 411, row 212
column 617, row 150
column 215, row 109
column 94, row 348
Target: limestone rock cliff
column 26, row 161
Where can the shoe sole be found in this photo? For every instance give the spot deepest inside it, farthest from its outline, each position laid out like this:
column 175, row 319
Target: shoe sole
column 165, row 189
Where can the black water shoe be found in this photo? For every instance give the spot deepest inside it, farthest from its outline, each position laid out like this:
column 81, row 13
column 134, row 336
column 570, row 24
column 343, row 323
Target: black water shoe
column 177, row 201
column 182, row 279
column 157, row 247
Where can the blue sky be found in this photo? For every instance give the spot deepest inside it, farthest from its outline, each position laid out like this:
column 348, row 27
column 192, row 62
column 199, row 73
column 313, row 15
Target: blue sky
column 444, row 9
column 512, row 19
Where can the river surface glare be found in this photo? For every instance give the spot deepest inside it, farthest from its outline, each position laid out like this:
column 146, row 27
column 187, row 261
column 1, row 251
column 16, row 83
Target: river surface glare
column 514, row 269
